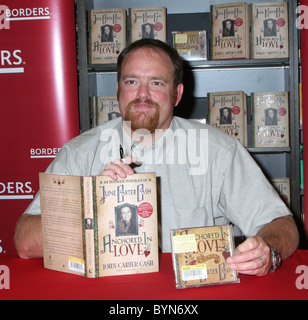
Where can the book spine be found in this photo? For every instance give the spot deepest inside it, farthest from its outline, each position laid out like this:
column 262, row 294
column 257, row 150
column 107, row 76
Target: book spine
column 95, row 240
column 88, row 226
column 209, row 96
column 211, row 32
column 129, row 23
column 252, row 35
column 248, row 30
column 89, row 37
column 253, row 122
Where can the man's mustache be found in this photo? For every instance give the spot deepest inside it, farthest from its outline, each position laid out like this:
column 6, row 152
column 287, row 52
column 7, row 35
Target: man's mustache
column 138, row 101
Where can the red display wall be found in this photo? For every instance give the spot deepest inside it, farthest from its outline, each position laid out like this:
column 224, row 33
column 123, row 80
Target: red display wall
column 303, row 19
column 39, row 99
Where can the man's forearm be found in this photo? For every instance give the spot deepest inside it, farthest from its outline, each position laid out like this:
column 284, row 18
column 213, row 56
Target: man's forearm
column 28, row 237
column 281, row 234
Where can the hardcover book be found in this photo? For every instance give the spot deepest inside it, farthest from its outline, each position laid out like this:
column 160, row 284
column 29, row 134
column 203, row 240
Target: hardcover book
column 270, row 115
column 269, row 30
column 282, row 186
column 199, row 256
column 107, row 35
column 148, row 22
column 97, row 227
column 228, row 111
column 230, row 31
column 103, row 109
column 191, row 45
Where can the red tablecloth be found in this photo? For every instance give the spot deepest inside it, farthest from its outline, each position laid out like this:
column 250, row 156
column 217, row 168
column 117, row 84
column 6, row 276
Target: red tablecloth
column 30, row 280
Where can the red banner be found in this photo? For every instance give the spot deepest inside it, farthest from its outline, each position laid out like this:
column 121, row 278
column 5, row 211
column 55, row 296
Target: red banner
column 303, row 25
column 39, row 99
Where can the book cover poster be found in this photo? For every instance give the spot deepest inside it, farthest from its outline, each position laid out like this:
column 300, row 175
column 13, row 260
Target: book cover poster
column 126, row 222
column 270, row 114
column 200, row 254
column 148, row 23
column 270, row 30
column 228, row 112
column 230, row 36
column 107, row 35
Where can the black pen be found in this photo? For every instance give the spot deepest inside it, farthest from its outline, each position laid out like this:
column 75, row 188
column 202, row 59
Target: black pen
column 122, row 157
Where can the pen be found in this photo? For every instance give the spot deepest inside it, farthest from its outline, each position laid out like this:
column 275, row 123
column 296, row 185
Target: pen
column 122, row 157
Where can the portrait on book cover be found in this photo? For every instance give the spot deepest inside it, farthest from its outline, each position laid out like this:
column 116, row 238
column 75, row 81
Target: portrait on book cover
column 126, row 220
column 107, row 33
column 225, row 115
column 147, row 31
column 113, row 115
column 228, row 28
column 88, row 224
column 271, row 118
column 270, row 28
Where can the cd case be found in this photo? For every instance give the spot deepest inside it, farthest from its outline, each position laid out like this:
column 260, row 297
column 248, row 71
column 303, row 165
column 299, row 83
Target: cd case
column 191, row 45
column 199, row 256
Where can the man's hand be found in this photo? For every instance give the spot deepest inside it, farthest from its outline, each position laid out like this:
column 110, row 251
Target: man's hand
column 119, row 169
column 252, row 257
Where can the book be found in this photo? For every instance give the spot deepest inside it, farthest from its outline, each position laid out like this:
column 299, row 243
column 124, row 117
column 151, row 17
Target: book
column 269, row 30
column 230, row 31
column 103, row 109
column 228, row 111
column 107, row 35
column 199, row 256
column 191, row 45
column 282, row 186
column 149, row 22
column 270, row 119
column 97, row 227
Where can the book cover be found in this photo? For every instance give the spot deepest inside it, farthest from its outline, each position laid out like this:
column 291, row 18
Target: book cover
column 199, row 256
column 269, row 30
column 103, row 109
column 282, row 186
column 230, row 31
column 270, row 115
column 150, row 22
column 97, row 227
column 107, row 35
column 191, row 45
column 228, row 111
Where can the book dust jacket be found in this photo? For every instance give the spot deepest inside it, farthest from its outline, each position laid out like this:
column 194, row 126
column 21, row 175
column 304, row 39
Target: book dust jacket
column 97, row 227
column 230, row 36
column 148, row 23
column 228, row 112
column 199, row 256
column 270, row 114
column 270, row 30
column 107, row 35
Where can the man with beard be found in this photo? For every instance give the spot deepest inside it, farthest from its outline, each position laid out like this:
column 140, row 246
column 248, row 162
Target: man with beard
column 227, row 186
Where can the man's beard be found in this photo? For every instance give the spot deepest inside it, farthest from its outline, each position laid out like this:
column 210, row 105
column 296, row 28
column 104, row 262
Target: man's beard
column 143, row 120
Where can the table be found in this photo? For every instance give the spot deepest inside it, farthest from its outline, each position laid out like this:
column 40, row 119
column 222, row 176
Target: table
column 30, row 280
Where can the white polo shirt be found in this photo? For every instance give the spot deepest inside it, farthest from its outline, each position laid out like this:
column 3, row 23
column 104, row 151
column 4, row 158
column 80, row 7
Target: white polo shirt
column 205, row 177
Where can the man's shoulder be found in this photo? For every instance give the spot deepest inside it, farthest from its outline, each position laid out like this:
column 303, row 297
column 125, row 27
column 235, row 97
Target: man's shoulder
column 216, row 137
column 93, row 136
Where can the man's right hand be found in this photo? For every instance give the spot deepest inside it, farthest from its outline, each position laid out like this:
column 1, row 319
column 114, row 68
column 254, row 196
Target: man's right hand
column 119, row 169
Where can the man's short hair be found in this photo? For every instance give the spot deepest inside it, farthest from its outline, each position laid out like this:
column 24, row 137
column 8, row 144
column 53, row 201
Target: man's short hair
column 155, row 45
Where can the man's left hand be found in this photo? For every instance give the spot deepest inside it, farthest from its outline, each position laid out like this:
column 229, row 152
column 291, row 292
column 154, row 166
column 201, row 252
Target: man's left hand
column 252, row 257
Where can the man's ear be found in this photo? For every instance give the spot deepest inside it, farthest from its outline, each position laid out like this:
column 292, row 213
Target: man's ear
column 118, row 91
column 179, row 94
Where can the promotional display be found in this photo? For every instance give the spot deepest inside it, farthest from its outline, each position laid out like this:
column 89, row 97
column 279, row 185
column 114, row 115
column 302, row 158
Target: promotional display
column 39, row 99
column 304, row 52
